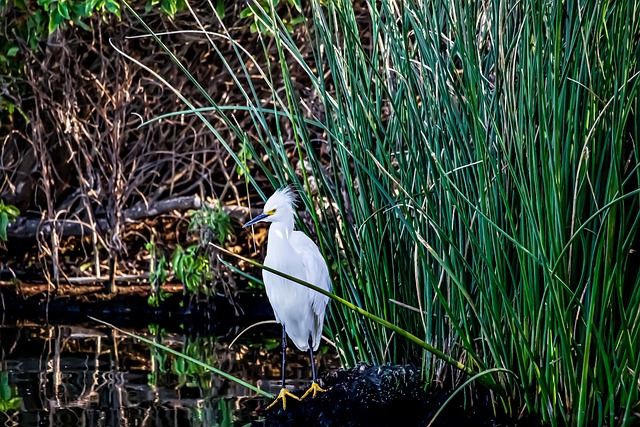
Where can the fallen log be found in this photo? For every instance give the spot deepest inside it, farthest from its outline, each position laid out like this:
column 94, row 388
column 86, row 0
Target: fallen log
column 29, row 228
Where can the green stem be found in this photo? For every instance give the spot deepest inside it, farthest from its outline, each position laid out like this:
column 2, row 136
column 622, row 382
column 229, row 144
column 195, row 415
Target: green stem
column 485, row 380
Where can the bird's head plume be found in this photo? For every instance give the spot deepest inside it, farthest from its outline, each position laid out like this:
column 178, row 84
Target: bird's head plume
column 280, row 207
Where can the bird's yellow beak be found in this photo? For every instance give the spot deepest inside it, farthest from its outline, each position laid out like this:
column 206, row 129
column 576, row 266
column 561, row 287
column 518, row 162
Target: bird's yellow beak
column 256, row 220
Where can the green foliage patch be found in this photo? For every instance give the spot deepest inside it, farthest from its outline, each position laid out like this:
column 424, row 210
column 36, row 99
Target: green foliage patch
column 28, row 23
column 8, row 213
column 191, row 265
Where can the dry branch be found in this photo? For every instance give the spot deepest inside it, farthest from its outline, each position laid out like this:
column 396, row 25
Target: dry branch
column 82, row 167
column 26, row 228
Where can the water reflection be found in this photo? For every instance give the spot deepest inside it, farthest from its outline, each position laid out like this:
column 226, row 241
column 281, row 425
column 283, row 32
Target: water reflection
column 89, row 375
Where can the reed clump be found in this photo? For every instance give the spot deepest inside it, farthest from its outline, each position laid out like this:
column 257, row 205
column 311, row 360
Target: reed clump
column 471, row 171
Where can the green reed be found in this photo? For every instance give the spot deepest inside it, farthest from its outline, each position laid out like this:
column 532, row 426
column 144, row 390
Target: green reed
column 479, row 190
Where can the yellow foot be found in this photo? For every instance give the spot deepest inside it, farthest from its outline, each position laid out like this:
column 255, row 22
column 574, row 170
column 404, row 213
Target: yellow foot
column 315, row 388
column 283, row 396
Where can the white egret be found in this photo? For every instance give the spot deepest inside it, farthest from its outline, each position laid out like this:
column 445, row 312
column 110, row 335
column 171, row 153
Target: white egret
column 300, row 310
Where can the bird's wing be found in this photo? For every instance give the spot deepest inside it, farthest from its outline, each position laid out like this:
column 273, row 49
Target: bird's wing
column 317, row 272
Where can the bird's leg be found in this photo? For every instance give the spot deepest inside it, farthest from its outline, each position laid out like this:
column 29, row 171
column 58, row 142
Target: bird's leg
column 283, row 391
column 284, row 351
column 315, row 388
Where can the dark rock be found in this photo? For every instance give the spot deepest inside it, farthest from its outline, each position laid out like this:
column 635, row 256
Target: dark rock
column 387, row 395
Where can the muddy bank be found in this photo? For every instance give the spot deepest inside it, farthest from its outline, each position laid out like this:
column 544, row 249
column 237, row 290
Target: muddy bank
column 388, row 395
column 37, row 301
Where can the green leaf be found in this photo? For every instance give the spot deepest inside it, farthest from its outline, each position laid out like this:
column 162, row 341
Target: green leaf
column 81, row 24
column 4, row 222
column 113, row 7
column 79, row 10
column 86, row 266
column 295, row 4
column 169, row 7
column 179, row 366
column 297, row 20
column 55, row 21
column 63, row 10
column 7, row 105
column 12, row 51
column 88, row 7
column 11, row 404
column 220, row 9
column 152, row 301
column 5, row 388
column 12, row 211
column 246, row 12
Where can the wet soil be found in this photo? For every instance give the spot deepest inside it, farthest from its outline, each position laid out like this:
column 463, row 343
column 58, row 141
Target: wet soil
column 388, row 395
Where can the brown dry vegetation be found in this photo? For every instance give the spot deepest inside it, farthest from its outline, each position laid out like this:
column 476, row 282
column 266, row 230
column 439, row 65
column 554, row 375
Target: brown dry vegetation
column 91, row 186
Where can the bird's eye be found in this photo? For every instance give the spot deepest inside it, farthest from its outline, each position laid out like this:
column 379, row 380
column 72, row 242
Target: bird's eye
column 271, row 212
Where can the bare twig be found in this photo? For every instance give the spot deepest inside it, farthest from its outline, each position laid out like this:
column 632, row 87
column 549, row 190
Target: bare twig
column 30, row 228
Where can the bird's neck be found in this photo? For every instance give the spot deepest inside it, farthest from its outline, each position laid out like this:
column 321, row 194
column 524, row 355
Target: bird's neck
column 280, row 231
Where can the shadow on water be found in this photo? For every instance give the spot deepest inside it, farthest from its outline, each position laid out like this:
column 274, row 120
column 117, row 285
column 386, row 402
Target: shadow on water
column 90, row 375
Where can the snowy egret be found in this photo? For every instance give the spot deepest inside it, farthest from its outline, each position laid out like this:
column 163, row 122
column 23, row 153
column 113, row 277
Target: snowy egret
column 300, row 310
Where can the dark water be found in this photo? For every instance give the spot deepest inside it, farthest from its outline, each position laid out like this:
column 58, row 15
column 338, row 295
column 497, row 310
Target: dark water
column 91, row 375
